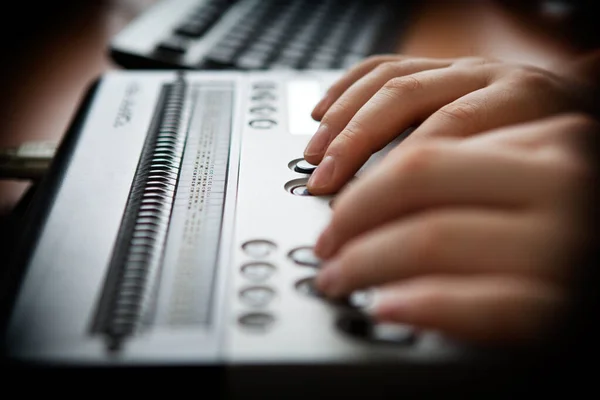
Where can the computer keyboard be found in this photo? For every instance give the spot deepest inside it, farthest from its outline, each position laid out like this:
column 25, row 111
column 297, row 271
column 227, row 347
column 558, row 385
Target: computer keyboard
column 260, row 34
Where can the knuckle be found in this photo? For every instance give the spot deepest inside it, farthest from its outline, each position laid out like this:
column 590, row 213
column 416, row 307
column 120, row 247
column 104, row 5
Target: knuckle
column 415, row 160
column 576, row 131
column 337, row 110
column 574, row 174
column 378, row 59
column 396, row 68
column 532, row 77
column 574, row 167
column 579, row 124
column 353, row 136
column 472, row 61
column 338, row 88
column 373, row 61
column 398, row 86
column 464, row 112
column 387, row 68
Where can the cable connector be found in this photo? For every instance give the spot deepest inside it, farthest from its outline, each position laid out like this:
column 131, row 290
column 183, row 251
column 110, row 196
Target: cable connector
column 29, row 161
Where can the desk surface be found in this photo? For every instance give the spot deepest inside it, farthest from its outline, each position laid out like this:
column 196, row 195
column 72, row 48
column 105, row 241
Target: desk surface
column 44, row 84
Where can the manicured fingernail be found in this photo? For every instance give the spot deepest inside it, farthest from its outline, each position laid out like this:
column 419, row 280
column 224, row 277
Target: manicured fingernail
column 328, row 281
column 324, row 245
column 318, row 142
column 323, row 174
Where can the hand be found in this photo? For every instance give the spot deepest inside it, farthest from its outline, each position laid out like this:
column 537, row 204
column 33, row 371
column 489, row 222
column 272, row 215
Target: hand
column 475, row 237
column 383, row 96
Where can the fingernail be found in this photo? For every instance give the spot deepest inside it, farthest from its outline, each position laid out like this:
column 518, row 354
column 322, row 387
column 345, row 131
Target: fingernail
column 318, row 142
column 328, row 281
column 325, row 244
column 373, row 303
column 391, row 304
column 323, row 174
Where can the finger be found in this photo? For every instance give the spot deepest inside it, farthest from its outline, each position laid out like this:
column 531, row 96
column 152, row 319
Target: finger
column 354, row 73
column 436, row 175
column 569, row 130
column 395, row 107
column 583, row 69
column 447, row 241
column 356, row 95
column 475, row 308
column 500, row 104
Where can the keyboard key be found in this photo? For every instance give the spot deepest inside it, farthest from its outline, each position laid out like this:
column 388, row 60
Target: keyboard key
column 282, row 34
column 315, row 64
column 190, row 29
column 261, row 47
column 236, row 44
column 293, row 53
column 175, row 44
column 325, row 57
column 351, row 59
column 222, row 55
column 286, row 62
column 252, row 60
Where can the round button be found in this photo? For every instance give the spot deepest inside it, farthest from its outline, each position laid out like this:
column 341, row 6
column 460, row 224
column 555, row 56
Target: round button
column 301, row 190
column 304, row 256
column 256, row 321
column 264, row 85
column 258, row 272
column 393, row 333
column 259, row 248
column 307, row 287
column 304, row 167
column 263, row 110
column 263, row 123
column 261, row 94
column 362, row 327
column 257, row 296
column 360, row 299
column 297, row 187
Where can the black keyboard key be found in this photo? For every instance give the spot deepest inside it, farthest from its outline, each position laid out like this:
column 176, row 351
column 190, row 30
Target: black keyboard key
column 202, row 19
column 222, row 55
column 175, row 44
column 191, row 29
column 237, row 43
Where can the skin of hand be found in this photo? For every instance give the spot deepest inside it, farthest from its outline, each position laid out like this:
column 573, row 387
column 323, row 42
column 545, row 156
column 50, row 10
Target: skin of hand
column 381, row 97
column 474, row 237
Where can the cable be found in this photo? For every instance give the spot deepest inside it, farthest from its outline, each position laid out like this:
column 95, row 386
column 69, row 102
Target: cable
column 29, row 161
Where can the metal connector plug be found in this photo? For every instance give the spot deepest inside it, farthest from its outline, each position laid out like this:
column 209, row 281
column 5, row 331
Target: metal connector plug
column 29, row 161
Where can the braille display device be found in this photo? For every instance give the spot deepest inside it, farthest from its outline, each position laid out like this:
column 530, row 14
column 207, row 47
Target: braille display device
column 178, row 230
